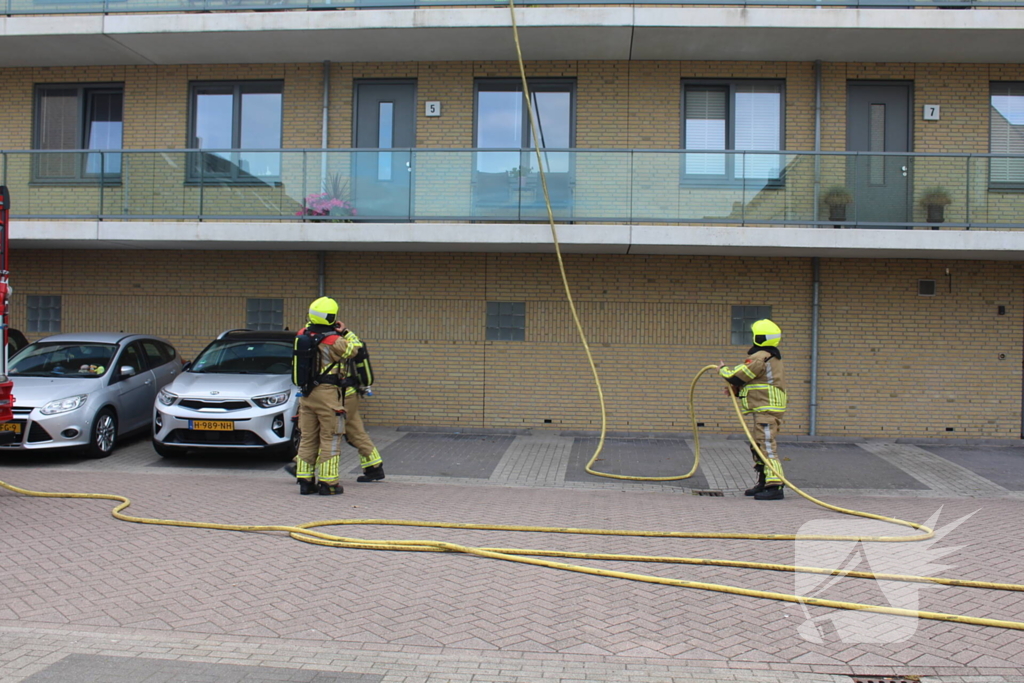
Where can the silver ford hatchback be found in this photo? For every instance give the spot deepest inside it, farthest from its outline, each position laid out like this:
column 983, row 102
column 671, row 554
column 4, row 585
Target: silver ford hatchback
column 87, row 390
column 237, row 394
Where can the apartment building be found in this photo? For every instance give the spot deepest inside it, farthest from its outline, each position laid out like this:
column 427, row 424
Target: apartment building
column 853, row 171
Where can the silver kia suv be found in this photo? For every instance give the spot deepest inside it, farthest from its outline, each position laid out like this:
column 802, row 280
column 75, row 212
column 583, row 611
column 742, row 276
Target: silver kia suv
column 236, row 394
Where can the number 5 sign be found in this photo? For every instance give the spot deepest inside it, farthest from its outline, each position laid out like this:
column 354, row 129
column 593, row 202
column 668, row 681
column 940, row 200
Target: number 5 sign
column 433, row 109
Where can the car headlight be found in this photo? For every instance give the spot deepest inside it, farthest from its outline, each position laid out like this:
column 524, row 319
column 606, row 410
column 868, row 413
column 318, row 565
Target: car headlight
column 166, row 398
column 64, row 405
column 272, row 400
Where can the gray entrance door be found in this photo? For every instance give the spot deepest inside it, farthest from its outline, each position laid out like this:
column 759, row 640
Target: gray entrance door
column 385, row 119
column 878, row 120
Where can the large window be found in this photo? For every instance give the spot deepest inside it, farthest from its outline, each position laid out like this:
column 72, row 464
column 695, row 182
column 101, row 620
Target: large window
column 1006, row 134
column 742, row 116
column 502, row 122
column 229, row 117
column 72, row 117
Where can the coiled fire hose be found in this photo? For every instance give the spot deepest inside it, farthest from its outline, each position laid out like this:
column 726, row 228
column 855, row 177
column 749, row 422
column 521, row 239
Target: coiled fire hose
column 307, row 532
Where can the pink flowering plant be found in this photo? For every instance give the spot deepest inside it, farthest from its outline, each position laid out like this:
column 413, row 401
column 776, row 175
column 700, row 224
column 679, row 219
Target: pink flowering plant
column 331, row 202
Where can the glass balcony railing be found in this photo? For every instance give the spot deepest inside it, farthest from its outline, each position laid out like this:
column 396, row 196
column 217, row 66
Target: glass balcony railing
column 16, row 7
column 794, row 189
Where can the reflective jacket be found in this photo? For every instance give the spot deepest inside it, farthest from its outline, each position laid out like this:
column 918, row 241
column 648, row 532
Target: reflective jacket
column 353, row 344
column 760, row 380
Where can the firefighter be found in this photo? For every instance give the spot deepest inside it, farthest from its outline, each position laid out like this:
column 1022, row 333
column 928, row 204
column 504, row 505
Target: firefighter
column 761, row 386
column 355, row 432
column 322, row 411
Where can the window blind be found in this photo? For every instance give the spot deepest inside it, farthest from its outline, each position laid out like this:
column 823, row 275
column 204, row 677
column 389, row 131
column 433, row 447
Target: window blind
column 1007, row 132
column 705, row 117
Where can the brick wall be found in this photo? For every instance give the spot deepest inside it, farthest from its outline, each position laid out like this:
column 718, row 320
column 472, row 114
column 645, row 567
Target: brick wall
column 893, row 363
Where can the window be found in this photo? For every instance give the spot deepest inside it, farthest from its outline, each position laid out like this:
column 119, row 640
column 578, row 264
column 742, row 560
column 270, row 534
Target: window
column 157, row 353
column 926, row 287
column 502, row 122
column 1006, row 134
column 740, row 116
column 228, row 117
column 78, row 117
column 264, row 314
column 742, row 318
column 506, row 320
column 132, row 358
column 44, row 314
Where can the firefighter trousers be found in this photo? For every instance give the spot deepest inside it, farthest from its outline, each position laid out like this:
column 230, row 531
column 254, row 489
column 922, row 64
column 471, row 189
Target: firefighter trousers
column 322, row 424
column 356, row 434
column 766, row 428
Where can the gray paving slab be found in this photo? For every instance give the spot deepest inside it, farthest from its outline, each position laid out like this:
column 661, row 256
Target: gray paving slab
column 635, row 457
column 842, row 466
column 1000, row 465
column 84, row 668
column 466, row 456
column 938, row 473
column 727, row 465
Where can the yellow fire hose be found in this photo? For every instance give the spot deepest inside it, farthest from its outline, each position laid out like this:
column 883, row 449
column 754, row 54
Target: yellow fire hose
column 307, row 533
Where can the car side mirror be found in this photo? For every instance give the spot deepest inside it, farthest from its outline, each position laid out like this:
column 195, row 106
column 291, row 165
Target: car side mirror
column 186, row 366
column 127, row 371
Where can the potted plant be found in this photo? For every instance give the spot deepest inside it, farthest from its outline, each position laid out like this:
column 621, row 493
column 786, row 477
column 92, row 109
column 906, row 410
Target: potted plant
column 333, row 201
column 837, row 198
column 935, row 200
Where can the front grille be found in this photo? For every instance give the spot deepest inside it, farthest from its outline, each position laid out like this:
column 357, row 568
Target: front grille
column 235, row 437
column 206, row 404
column 36, row 434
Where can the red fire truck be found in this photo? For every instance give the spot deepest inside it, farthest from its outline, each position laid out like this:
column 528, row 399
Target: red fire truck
column 6, row 386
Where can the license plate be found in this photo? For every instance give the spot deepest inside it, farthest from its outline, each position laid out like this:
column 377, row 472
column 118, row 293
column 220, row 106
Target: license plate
column 10, row 427
column 212, row 425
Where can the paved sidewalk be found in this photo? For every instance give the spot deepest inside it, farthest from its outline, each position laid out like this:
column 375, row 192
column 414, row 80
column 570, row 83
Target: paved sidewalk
column 87, row 598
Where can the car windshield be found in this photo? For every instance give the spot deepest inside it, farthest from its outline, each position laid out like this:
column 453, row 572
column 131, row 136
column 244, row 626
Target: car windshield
column 63, row 359
column 235, row 357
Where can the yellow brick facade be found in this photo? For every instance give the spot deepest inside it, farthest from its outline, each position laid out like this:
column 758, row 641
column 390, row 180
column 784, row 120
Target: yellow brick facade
column 892, row 363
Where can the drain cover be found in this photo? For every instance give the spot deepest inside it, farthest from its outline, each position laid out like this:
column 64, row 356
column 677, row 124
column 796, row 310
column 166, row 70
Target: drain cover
column 886, row 679
column 707, row 492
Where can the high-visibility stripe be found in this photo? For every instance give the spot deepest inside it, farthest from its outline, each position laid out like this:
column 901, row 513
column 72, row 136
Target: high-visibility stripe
column 769, row 452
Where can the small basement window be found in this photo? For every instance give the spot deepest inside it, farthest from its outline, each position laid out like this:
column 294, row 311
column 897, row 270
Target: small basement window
column 926, row 287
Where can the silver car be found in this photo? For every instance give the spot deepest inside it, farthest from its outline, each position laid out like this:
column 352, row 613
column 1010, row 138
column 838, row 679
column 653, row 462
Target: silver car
column 236, row 394
column 87, row 390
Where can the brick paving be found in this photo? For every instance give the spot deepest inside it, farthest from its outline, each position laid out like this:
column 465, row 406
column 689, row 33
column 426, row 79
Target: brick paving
column 85, row 597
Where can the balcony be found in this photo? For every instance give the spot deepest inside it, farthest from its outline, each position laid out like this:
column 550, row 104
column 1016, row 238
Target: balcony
column 167, row 32
column 475, row 199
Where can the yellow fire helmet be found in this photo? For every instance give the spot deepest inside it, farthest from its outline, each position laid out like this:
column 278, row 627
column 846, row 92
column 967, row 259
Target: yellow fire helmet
column 766, row 333
column 324, row 311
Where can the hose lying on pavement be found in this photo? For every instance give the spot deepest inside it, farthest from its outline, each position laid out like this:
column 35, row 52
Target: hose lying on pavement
column 308, row 533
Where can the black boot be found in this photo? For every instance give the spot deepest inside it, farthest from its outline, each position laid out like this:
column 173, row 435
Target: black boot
column 375, row 473
column 331, row 489
column 307, row 486
column 759, row 486
column 770, row 493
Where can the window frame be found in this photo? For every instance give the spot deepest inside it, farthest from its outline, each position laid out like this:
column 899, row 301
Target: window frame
column 504, row 333
column 84, row 94
column 729, row 179
column 536, row 85
column 235, row 176
column 996, row 185
column 33, row 325
column 258, row 326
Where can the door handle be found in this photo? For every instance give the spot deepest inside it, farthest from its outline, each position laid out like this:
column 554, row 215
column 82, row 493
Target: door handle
column 408, row 166
column 148, row 381
column 904, row 169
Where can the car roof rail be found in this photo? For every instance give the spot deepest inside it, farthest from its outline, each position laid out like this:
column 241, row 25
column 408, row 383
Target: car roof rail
column 227, row 332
